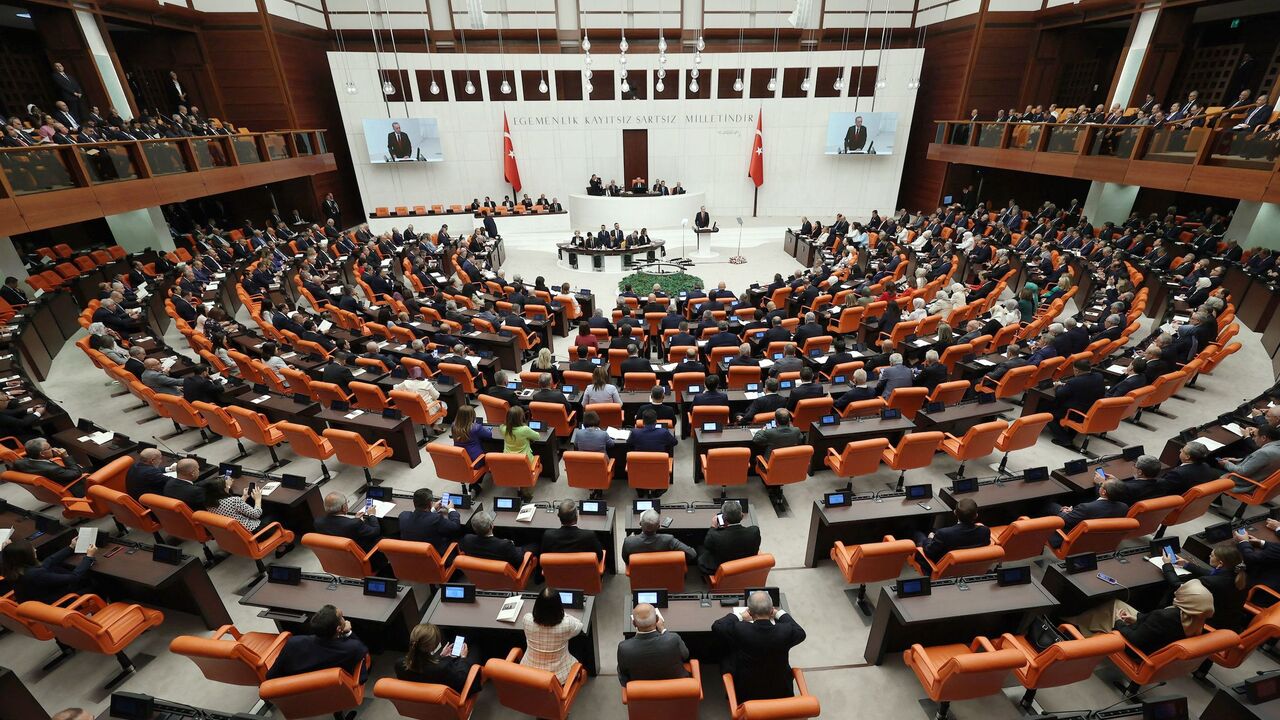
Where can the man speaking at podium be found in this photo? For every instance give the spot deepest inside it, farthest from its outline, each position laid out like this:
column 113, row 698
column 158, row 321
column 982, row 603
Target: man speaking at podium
column 855, row 139
column 400, row 148
column 702, row 219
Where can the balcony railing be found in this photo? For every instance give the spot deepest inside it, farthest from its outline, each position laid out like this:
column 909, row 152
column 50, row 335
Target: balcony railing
column 49, row 185
column 1175, row 157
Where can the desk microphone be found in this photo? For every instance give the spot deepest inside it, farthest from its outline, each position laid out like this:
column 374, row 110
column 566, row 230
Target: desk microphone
column 165, row 445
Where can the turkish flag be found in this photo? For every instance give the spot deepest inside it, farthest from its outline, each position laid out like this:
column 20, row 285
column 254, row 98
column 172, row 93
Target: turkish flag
column 510, row 172
column 756, row 170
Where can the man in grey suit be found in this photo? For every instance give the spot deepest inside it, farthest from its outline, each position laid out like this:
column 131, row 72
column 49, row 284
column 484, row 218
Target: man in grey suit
column 894, row 376
column 650, row 540
column 654, row 653
column 1260, row 463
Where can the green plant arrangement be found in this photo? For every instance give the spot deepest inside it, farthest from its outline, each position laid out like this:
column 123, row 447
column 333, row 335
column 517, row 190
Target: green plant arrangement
column 673, row 284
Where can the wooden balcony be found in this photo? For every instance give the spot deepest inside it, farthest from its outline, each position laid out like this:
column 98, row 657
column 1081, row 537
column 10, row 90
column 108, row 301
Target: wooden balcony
column 1202, row 160
column 50, row 185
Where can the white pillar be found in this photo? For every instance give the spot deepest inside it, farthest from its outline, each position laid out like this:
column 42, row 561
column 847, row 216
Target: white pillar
column 1256, row 224
column 10, row 261
column 138, row 230
column 1137, row 52
column 106, row 68
column 1109, row 202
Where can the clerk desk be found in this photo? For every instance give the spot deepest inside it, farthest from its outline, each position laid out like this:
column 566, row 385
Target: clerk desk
column 485, row 634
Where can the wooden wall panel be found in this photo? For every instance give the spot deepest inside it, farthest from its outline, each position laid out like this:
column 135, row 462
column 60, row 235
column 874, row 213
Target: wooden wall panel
column 941, row 78
column 246, row 78
column 999, row 68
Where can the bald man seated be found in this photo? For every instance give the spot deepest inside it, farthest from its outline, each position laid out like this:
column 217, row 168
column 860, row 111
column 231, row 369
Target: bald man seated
column 155, row 377
column 653, row 653
column 188, row 488
column 146, row 475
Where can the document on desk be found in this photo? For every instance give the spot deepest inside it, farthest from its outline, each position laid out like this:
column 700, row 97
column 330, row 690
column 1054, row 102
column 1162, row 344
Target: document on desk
column 618, row 434
column 666, row 367
column 1158, row 561
column 511, row 607
column 353, row 414
column 1209, row 443
column 324, row 326
column 921, row 343
column 5, row 534
column 751, row 395
column 984, row 361
column 1116, row 368
column 1234, row 429
column 526, row 513
column 475, row 361
column 262, row 399
column 270, row 488
column 766, row 364
column 85, row 539
column 382, row 507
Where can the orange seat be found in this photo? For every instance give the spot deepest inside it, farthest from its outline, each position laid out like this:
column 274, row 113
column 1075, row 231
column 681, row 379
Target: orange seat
column 513, row 469
column 1025, row 538
column 1262, row 628
column 51, row 493
column 413, row 406
column 1174, row 660
column 1011, row 383
column 319, row 692
column 352, row 449
column 959, row 563
column 495, row 574
column 340, row 555
column 530, row 691
column 1195, row 502
column 1150, row 513
column 1022, row 433
column 91, row 625
column 257, row 428
column 949, row 673
column 741, row 375
column 495, row 409
column 863, row 408
column 236, row 539
column 329, row 393
column 1063, row 663
column 798, row 707
column 610, row 414
column 702, row 414
column 368, row 397
column 978, row 441
column 555, row 416
column 452, row 463
column 460, row 374
column 659, row 699
column 860, row 457
column 418, row 562
column 128, row 513
column 871, row 562
column 738, row 575
column 1260, row 492
column 784, row 466
column 639, row 381
column 305, row 442
column 915, row 450
column 1095, row 536
column 649, row 470
column 223, row 424
column 1103, row 417
column 949, row 393
column 908, row 400
column 241, row 659
column 650, row 570
column 574, row 571
column 810, row 410
column 177, row 519
column 588, row 470
column 429, row 701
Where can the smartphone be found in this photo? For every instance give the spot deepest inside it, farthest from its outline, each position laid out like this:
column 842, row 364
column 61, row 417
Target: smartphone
column 1242, row 533
column 720, row 518
column 368, row 503
column 1169, row 557
column 458, row 642
column 1107, row 579
column 252, row 487
column 666, row 521
column 1102, row 476
column 924, row 507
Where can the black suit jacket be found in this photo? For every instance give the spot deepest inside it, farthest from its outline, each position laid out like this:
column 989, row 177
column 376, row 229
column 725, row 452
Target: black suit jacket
column 855, row 138
column 1092, row 510
column 338, row 374
column 491, row 548
column 637, row 365
column 955, row 537
column 49, row 581
column 727, row 543
column 1182, row 478
column 305, row 653
column 570, row 539
column 398, row 145
column 193, row 494
column 931, row 375
column 757, row 655
column 807, row 391
column 142, row 479
column 365, row 532
column 1080, row 392
column 432, row 527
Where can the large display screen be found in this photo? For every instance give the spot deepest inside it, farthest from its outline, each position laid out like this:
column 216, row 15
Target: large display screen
column 861, row 133
column 392, row 140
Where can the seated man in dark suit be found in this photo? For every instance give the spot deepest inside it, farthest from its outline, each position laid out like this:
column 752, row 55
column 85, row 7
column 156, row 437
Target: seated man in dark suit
column 757, row 645
column 430, row 521
column 581, row 363
column 1103, row 507
column 187, row 487
column 652, row 653
column 146, row 475
column 726, row 541
column 711, row 394
column 858, row 392
column 338, row 373
column 690, row 363
column 483, row 544
column 39, row 460
column 331, row 644
column 548, row 394
column 1143, row 485
column 569, row 538
column 768, row 401
column 661, row 410
column 1134, row 378
column 363, row 527
column 806, row 389
column 1192, row 470
column 966, row 533
column 1077, row 393
column 634, row 363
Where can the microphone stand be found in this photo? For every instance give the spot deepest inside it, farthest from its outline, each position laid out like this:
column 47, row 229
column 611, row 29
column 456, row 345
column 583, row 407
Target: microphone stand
column 738, row 259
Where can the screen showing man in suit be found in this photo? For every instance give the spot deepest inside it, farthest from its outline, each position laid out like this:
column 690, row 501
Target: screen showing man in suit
column 394, row 140
column 861, row 133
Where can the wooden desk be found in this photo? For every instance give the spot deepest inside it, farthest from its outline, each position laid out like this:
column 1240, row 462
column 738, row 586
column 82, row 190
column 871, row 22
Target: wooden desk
column 1199, row 547
column 484, row 633
column 23, row 524
column 1231, row 443
column 864, row 521
column 693, row 618
column 87, row 453
column 1258, row 305
column 546, row 448
column 1003, row 502
column 381, row 623
column 527, row 533
column 19, row 703
column 690, row 526
column 297, row 510
column 399, row 434
column 1082, row 482
column 1230, row 704
column 1142, row 584
column 953, row 615
column 131, row 574
column 824, row 437
column 503, row 347
column 958, row 418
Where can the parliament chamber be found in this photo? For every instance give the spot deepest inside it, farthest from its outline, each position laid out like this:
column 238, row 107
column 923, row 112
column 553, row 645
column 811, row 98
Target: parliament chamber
column 643, row 360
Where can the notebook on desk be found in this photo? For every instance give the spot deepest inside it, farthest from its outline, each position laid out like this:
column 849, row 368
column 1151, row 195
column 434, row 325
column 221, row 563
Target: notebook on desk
column 511, row 608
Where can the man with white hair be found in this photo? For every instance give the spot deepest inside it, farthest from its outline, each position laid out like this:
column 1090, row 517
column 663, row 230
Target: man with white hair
column 652, row 653
column 112, row 315
column 932, row 372
column 155, row 377
column 757, row 644
column 362, row 527
column 894, row 376
column 650, row 540
column 859, row 392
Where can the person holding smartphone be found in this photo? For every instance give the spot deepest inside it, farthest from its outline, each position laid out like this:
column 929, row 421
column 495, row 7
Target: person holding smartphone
column 1225, row 579
column 430, row 660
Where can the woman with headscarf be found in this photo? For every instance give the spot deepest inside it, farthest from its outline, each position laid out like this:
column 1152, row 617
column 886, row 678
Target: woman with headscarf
column 918, row 311
column 1152, row 631
column 1225, row 579
column 1201, row 293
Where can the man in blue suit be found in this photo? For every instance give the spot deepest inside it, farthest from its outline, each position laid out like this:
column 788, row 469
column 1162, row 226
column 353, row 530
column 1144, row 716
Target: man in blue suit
column 331, row 644
column 966, row 533
column 1103, row 507
column 430, row 521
